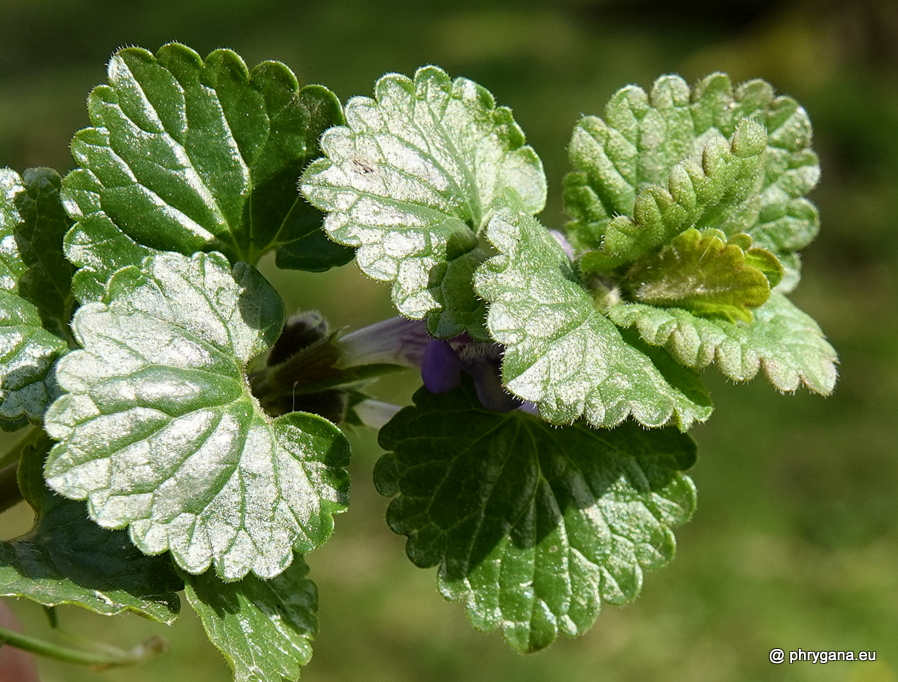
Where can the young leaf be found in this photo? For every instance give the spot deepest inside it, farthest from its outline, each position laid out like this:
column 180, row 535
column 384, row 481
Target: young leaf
column 160, row 432
column 706, row 274
column 532, row 526
column 722, row 193
column 409, row 180
column 563, row 354
column 643, row 136
column 188, row 155
column 34, row 284
column 786, row 342
column 68, row 559
column 264, row 628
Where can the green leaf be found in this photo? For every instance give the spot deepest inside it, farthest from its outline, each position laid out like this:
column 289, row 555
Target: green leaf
column 67, row 559
column 786, row 342
column 27, row 355
column 160, row 432
column 264, row 628
column 11, row 264
column 190, row 155
column 643, row 136
column 314, row 252
column 706, row 274
column 561, row 352
column 34, row 292
column 47, row 280
column 532, row 526
column 721, row 193
column 409, row 181
column 760, row 259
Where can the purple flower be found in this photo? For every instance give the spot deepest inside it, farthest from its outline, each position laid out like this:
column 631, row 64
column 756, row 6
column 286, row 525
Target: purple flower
column 400, row 341
column 444, row 361
column 440, row 367
column 311, row 368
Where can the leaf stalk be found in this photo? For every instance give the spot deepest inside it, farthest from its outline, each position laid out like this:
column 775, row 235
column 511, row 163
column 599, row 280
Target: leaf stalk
column 111, row 658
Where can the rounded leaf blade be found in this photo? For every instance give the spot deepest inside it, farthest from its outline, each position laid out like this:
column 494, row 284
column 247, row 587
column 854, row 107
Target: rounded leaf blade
column 186, row 154
column 410, row 180
column 532, row 526
column 159, row 430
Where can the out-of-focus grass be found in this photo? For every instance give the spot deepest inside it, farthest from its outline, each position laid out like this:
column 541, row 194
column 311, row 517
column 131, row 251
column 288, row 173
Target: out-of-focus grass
column 795, row 541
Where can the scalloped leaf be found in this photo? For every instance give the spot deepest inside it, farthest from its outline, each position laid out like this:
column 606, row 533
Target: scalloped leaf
column 782, row 339
column 706, row 274
column 67, row 559
column 643, row 136
column 561, row 352
column 409, row 181
column 532, row 526
column 27, row 355
column 721, row 193
column 35, row 300
column 190, row 155
column 159, row 430
column 263, row 628
column 47, row 279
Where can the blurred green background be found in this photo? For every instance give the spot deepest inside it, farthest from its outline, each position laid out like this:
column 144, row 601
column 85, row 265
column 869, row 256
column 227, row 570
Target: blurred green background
column 795, row 541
